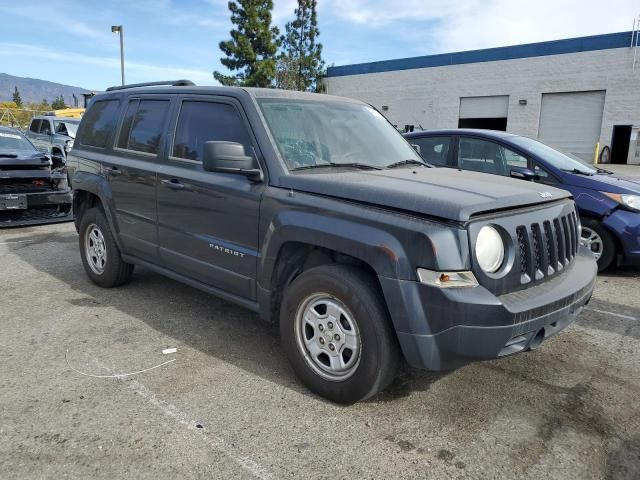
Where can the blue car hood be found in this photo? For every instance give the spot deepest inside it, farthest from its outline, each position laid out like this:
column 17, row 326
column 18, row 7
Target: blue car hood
column 604, row 183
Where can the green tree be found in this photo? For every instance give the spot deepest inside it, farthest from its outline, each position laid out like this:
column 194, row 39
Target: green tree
column 253, row 46
column 17, row 99
column 58, row 103
column 300, row 64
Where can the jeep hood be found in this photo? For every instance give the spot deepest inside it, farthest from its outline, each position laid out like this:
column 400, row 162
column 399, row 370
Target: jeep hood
column 438, row 192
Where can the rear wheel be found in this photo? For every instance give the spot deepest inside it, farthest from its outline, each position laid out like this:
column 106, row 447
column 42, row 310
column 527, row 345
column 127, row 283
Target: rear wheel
column 100, row 254
column 337, row 335
column 599, row 241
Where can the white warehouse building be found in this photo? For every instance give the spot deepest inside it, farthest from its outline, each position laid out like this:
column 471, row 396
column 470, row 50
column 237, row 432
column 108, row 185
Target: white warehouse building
column 574, row 93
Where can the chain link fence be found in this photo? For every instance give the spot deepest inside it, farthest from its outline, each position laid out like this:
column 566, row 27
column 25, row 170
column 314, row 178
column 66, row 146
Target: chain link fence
column 18, row 117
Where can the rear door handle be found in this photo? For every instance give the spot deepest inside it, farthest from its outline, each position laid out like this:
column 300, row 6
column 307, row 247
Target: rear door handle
column 173, row 183
column 113, row 171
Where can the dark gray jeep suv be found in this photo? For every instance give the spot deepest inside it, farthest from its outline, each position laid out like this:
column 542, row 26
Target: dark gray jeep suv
column 313, row 211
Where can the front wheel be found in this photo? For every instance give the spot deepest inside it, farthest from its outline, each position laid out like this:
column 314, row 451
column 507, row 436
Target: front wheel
column 337, row 334
column 100, row 254
column 599, row 241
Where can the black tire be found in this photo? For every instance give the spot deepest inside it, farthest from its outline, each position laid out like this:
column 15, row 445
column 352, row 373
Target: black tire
column 609, row 247
column 115, row 272
column 379, row 351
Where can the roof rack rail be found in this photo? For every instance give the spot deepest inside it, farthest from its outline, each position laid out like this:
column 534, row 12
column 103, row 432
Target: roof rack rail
column 172, row 83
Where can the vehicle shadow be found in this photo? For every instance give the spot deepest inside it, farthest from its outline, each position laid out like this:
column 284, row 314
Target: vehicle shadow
column 189, row 316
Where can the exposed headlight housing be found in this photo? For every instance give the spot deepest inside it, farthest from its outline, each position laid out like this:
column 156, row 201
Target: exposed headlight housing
column 68, row 145
column 447, row 279
column 489, row 249
column 632, row 202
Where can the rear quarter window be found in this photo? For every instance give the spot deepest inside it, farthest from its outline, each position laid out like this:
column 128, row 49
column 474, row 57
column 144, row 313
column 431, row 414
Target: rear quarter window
column 98, row 123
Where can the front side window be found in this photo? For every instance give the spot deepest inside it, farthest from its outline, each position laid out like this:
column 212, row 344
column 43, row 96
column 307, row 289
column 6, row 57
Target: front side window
column 542, row 175
column 513, row 159
column 45, row 127
column 434, row 150
column 98, row 122
column 485, row 156
column 142, row 127
column 35, row 125
column 312, row 134
column 201, row 122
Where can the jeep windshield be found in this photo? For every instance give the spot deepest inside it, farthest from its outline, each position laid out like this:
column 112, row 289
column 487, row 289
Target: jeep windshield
column 312, row 134
column 12, row 144
column 563, row 161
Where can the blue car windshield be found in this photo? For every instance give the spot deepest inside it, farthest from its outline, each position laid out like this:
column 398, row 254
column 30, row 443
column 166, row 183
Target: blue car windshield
column 11, row 143
column 563, row 161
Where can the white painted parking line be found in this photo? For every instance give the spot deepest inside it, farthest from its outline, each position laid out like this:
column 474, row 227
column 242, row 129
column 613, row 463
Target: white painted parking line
column 250, row 466
column 15, row 241
column 605, row 312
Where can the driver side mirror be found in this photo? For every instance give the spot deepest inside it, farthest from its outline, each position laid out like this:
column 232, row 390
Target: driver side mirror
column 522, row 173
column 230, row 157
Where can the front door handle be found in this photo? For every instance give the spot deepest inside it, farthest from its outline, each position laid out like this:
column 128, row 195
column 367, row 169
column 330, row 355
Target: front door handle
column 173, row 184
column 114, row 171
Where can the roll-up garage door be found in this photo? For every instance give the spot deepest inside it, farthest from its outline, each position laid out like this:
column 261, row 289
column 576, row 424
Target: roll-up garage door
column 484, row 107
column 572, row 121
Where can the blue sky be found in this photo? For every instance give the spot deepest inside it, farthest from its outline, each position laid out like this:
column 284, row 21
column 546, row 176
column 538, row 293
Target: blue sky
column 71, row 42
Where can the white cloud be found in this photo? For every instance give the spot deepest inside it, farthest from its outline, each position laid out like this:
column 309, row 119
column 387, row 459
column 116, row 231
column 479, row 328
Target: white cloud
column 137, row 70
column 468, row 24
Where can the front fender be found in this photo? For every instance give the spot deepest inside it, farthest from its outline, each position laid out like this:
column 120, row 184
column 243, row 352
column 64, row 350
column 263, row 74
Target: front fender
column 377, row 248
column 392, row 243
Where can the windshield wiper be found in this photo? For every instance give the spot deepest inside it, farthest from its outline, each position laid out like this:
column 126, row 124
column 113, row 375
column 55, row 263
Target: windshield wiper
column 578, row 172
column 410, row 161
column 362, row 166
column 603, row 171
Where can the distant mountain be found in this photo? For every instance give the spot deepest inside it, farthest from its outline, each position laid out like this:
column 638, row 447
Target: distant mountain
column 34, row 90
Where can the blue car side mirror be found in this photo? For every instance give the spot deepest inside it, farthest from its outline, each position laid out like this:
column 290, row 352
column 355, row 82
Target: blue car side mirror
column 522, row 173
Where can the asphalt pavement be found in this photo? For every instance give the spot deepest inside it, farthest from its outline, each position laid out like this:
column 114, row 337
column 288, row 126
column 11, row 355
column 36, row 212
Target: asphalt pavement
column 227, row 405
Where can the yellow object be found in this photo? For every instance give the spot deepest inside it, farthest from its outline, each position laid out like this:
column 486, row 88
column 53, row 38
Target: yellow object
column 595, row 155
column 70, row 112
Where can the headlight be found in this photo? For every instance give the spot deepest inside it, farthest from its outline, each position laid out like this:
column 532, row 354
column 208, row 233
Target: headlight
column 68, row 145
column 630, row 201
column 489, row 249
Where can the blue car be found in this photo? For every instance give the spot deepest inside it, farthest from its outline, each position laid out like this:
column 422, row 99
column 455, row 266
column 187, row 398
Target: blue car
column 609, row 205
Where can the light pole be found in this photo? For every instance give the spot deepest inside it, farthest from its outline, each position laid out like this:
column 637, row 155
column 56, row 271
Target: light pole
column 120, row 30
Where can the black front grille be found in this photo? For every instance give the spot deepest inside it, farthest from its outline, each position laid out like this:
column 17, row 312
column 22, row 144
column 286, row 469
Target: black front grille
column 523, row 249
column 545, row 249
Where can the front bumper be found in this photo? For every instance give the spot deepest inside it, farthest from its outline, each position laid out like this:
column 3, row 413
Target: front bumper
column 625, row 225
column 45, row 207
column 442, row 329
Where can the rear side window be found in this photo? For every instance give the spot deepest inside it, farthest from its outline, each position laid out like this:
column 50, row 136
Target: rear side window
column 142, row 126
column 99, row 122
column 434, row 150
column 201, row 122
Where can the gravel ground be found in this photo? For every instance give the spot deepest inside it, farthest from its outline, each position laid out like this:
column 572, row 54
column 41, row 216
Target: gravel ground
column 229, row 406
